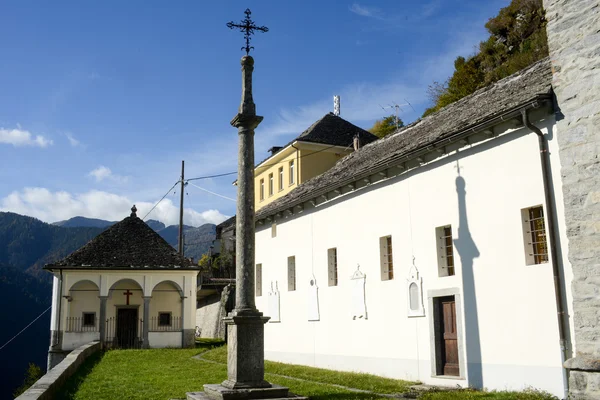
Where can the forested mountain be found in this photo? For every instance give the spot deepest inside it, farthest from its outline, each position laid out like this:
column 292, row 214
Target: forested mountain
column 517, row 40
column 27, row 243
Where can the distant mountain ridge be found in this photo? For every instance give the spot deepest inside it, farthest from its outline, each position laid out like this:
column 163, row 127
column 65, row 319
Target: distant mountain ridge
column 197, row 241
column 83, row 222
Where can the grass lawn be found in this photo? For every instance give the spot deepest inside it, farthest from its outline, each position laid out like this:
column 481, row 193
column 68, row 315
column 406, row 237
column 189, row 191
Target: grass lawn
column 169, row 373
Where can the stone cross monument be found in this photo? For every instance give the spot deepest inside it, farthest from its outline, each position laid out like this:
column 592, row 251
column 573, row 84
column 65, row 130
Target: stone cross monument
column 245, row 337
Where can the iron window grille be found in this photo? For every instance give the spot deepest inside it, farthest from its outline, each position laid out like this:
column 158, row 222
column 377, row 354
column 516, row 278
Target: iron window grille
column 537, row 231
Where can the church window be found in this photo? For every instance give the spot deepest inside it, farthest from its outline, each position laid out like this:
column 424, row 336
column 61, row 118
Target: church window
column 386, row 258
column 280, row 178
column 262, row 189
column 534, row 234
column 332, row 267
column 291, row 273
column 89, row 319
column 164, row 319
column 445, row 250
column 270, row 184
column 292, row 173
column 258, row 278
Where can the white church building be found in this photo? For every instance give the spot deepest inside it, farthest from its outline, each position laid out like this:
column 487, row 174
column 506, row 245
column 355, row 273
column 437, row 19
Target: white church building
column 127, row 288
column 434, row 254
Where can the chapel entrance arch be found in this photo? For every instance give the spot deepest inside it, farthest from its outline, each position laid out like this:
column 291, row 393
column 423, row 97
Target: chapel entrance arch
column 124, row 323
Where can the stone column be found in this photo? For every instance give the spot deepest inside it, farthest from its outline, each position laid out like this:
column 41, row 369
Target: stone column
column 245, row 364
column 102, row 320
column 574, row 44
column 146, row 322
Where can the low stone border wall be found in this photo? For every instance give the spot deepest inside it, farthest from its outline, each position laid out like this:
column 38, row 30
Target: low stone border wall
column 47, row 385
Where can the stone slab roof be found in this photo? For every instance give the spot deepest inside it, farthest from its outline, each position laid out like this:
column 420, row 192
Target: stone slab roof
column 129, row 244
column 510, row 93
column 331, row 130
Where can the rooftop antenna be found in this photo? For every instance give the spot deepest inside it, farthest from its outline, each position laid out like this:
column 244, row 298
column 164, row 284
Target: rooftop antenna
column 336, row 105
column 396, row 107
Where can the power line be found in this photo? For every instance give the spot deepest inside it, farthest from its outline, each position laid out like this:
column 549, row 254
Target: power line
column 157, row 203
column 262, row 166
column 22, row 330
column 213, row 193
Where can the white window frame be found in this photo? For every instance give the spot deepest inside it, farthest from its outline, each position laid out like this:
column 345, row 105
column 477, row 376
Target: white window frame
column 292, row 172
column 262, row 189
column 281, row 179
column 271, row 184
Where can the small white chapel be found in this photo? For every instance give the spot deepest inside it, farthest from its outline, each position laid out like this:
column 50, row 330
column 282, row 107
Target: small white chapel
column 127, row 288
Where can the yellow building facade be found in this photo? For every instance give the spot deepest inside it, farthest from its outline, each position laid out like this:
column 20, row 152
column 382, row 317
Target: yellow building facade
column 312, row 153
column 296, row 163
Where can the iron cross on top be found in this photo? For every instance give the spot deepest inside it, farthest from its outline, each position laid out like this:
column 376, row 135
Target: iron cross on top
column 248, row 27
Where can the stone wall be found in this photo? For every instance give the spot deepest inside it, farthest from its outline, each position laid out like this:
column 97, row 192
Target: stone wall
column 210, row 313
column 49, row 385
column 574, row 41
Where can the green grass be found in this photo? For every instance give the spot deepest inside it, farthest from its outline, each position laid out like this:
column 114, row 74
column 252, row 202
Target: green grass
column 369, row 382
column 468, row 394
column 170, row 373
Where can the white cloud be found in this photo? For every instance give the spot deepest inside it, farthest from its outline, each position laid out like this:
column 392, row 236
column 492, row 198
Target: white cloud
column 20, row 137
column 104, row 173
column 364, row 11
column 72, row 141
column 50, row 206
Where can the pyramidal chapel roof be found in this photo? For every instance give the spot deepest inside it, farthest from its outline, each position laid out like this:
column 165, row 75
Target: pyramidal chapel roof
column 129, row 244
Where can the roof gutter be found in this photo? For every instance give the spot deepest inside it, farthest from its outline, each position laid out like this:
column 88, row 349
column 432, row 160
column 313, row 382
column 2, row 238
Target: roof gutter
column 508, row 115
column 550, row 210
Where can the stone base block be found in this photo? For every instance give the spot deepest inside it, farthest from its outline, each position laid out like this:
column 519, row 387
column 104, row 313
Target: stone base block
column 584, row 378
column 219, row 392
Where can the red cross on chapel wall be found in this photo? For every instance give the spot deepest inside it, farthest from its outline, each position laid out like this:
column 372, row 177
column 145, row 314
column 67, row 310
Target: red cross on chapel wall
column 127, row 293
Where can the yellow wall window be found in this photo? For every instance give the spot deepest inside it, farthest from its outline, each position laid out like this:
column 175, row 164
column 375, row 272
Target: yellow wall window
column 271, row 184
column 280, row 178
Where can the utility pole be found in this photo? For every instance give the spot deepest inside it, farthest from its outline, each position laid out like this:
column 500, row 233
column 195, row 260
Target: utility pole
column 180, row 241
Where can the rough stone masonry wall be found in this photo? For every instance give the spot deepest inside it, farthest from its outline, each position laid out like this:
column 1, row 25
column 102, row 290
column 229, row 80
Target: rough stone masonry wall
column 574, row 41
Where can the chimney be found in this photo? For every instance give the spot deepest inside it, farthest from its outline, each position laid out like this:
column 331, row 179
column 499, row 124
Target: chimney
column 336, row 106
column 356, row 142
column 274, row 149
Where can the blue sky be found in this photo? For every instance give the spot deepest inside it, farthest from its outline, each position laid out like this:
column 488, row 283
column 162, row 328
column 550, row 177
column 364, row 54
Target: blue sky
column 100, row 101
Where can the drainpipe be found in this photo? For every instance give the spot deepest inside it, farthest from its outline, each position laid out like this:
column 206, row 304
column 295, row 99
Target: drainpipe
column 297, row 166
column 545, row 162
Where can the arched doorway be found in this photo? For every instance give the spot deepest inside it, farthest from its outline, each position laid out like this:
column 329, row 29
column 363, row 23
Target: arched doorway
column 124, row 323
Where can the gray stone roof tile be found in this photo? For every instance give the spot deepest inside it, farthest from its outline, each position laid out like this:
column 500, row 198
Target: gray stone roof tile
column 129, row 244
column 483, row 105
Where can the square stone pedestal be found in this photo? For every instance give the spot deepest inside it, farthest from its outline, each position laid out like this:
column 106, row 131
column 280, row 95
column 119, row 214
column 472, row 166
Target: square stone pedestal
column 218, row 392
column 245, row 364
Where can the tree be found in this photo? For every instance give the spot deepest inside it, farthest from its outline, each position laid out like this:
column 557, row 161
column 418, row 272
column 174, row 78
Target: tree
column 517, row 40
column 385, row 126
column 31, row 376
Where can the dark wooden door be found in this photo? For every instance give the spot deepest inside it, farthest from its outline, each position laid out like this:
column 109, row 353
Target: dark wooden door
column 450, row 339
column 126, row 327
